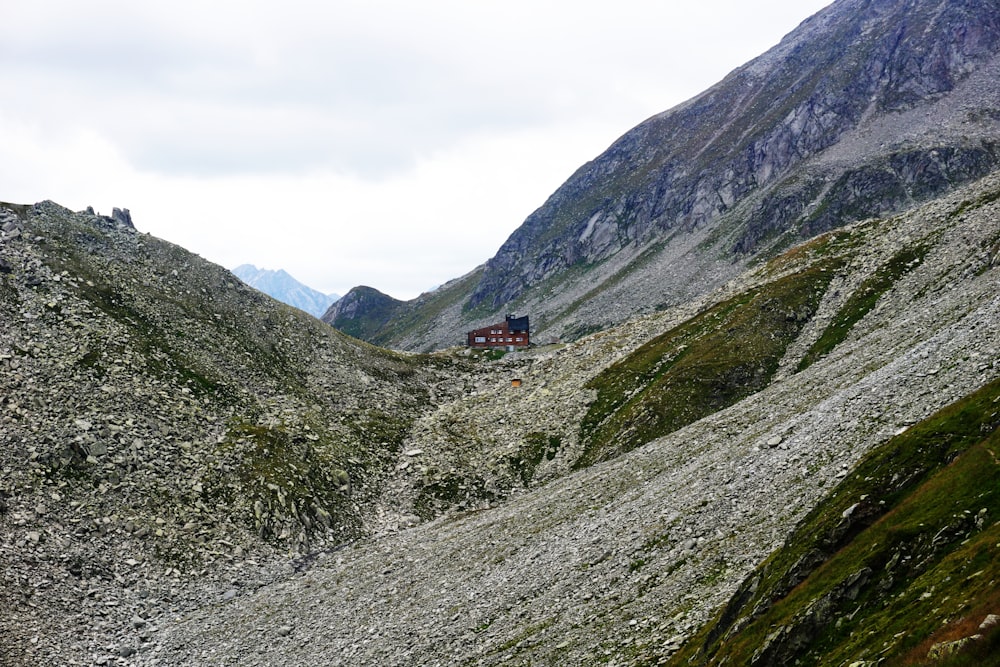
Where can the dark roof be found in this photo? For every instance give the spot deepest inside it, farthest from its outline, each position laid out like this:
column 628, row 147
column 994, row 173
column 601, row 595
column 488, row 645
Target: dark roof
column 517, row 323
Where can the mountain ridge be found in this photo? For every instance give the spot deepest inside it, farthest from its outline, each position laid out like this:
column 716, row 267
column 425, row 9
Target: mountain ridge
column 254, row 464
column 784, row 455
column 283, row 287
column 865, row 109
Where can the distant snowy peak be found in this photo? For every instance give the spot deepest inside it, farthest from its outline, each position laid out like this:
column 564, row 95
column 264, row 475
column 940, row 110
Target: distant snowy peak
column 283, row 287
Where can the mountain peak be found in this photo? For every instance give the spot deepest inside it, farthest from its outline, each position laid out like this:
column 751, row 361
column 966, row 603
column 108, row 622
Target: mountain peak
column 283, row 287
column 867, row 108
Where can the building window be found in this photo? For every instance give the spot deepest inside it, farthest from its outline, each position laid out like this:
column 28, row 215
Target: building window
column 519, row 339
column 480, row 339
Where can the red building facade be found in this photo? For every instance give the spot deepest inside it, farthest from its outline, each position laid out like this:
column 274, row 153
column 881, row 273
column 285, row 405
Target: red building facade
column 511, row 333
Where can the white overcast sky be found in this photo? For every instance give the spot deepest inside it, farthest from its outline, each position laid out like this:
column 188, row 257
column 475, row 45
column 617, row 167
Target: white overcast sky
column 378, row 142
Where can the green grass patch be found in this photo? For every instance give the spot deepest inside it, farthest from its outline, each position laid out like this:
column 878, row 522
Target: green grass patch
column 906, row 544
column 863, row 300
column 708, row 363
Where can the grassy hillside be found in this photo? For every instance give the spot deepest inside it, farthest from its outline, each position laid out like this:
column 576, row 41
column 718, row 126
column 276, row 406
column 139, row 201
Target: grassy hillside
column 708, row 363
column 902, row 556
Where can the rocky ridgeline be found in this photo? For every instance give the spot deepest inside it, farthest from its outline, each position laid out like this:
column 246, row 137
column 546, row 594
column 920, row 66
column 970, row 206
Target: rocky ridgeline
column 168, row 436
column 865, row 110
column 620, row 562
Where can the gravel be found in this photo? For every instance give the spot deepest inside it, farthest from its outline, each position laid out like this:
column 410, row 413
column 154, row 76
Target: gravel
column 620, row 562
column 138, row 382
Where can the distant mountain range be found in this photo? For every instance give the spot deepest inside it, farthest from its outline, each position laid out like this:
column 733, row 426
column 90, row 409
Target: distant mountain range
column 286, row 289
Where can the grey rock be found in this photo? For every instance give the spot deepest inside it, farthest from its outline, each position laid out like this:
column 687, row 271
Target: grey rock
column 122, row 217
column 530, row 556
column 228, row 419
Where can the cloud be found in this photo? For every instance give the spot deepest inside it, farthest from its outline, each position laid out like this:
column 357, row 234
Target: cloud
column 380, row 142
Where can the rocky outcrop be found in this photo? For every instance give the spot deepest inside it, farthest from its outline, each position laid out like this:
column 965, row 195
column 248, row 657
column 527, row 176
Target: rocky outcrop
column 122, row 217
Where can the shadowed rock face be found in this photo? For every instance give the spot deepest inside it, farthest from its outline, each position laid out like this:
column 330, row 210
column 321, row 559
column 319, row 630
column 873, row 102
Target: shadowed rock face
column 865, row 109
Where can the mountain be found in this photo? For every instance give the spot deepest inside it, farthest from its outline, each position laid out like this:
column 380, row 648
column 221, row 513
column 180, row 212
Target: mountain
column 362, row 312
column 799, row 467
column 800, row 464
column 866, row 109
column 286, row 289
column 160, row 419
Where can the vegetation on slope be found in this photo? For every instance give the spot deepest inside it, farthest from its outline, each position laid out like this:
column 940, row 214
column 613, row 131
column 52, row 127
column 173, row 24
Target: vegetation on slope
column 276, row 421
column 367, row 314
column 897, row 562
column 363, row 312
column 715, row 359
column 863, row 300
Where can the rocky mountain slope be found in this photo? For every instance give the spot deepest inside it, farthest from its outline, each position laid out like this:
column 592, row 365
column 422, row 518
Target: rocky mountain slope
column 554, row 545
column 900, row 560
column 362, row 311
column 196, row 474
column 867, row 108
column 792, row 457
column 165, row 430
column 286, row 289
